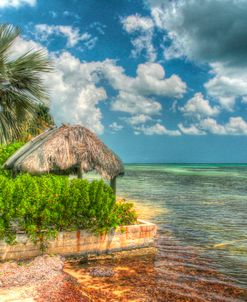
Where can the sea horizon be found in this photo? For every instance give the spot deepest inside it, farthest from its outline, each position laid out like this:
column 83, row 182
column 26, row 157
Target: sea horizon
column 185, row 163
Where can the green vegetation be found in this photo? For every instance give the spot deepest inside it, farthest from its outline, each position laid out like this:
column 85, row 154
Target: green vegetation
column 21, row 86
column 5, row 152
column 41, row 206
column 41, row 121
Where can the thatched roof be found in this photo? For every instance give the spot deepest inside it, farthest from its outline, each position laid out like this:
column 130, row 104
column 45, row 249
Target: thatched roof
column 66, row 150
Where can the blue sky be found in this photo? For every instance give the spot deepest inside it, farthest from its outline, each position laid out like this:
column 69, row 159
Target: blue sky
column 157, row 80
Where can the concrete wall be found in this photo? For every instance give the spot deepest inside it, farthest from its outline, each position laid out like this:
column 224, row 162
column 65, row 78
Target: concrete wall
column 83, row 242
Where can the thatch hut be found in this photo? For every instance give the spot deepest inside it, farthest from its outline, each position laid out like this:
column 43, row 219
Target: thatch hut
column 67, row 150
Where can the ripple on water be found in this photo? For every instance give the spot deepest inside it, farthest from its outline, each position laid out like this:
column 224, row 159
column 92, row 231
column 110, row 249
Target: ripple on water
column 183, row 275
column 201, row 213
column 204, row 206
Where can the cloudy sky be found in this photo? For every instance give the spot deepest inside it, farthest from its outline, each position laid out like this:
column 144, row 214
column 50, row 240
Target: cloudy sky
column 158, row 80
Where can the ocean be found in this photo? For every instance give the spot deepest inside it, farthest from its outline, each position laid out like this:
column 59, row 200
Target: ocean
column 201, row 205
column 201, row 244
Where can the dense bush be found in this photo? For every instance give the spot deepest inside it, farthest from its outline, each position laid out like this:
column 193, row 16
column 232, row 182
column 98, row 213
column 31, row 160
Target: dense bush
column 5, row 152
column 125, row 213
column 43, row 205
column 7, row 209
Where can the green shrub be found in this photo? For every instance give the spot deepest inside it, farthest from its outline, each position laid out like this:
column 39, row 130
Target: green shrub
column 5, row 152
column 38, row 209
column 7, row 209
column 43, row 205
column 125, row 213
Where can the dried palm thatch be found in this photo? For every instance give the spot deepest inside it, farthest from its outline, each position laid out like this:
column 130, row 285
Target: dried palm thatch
column 66, row 150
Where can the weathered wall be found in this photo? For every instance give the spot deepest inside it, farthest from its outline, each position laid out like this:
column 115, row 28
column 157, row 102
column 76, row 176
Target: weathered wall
column 83, row 242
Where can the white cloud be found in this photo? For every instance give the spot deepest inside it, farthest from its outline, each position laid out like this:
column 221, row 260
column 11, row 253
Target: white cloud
column 90, row 44
column 141, row 31
column 22, row 46
column 136, row 94
column 134, row 104
column 143, row 43
column 227, row 85
column 138, row 123
column 191, row 130
column 73, row 35
column 212, row 126
column 135, row 23
column 16, row 3
column 198, row 107
column 74, row 97
column 235, row 126
column 74, row 75
column 151, row 80
column 76, row 90
column 138, row 119
column 156, row 129
column 115, row 127
column 197, row 31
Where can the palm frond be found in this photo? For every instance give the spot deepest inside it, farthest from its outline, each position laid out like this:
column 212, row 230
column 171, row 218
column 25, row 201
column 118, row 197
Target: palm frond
column 21, row 85
column 8, row 34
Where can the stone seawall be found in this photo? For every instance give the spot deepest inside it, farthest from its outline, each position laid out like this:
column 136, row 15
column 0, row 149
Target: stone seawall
column 83, row 243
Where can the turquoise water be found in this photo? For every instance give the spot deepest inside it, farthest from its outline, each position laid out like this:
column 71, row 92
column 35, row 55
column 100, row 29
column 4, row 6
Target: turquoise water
column 203, row 206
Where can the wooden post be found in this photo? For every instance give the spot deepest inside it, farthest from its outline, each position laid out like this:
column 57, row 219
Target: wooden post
column 79, row 173
column 14, row 174
column 113, row 185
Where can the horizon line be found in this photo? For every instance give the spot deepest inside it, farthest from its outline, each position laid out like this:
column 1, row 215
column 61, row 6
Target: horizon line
column 185, row 163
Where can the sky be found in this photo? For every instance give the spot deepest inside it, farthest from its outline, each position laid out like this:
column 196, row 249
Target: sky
column 161, row 81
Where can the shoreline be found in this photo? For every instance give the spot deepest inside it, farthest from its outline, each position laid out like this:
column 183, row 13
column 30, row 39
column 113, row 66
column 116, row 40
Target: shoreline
column 168, row 272
column 171, row 273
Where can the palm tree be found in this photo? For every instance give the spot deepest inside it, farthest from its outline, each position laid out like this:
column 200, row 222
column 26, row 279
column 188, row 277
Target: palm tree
column 21, row 85
column 36, row 125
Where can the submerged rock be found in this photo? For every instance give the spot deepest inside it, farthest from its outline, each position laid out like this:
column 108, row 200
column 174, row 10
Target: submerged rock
column 101, row 272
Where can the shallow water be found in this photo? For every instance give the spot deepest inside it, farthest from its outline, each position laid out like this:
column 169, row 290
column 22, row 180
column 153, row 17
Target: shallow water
column 174, row 274
column 201, row 213
column 203, row 206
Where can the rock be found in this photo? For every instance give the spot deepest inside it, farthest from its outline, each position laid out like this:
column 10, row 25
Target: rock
column 101, row 272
